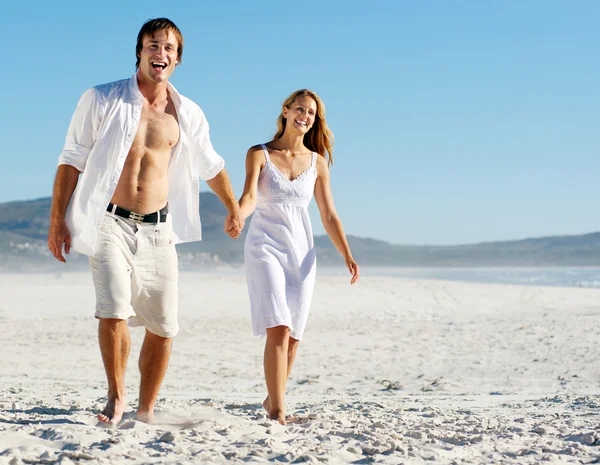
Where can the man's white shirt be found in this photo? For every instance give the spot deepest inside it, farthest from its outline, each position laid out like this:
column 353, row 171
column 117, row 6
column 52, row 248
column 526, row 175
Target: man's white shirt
column 98, row 141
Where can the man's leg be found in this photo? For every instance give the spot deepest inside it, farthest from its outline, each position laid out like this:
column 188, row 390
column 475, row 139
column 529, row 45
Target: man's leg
column 111, row 272
column 114, row 345
column 154, row 359
column 156, row 308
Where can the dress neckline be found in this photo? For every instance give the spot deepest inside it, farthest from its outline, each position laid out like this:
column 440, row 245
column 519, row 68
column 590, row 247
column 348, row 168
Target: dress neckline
column 278, row 171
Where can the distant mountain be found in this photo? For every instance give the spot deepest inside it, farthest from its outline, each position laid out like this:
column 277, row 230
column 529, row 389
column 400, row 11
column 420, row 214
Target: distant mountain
column 24, row 227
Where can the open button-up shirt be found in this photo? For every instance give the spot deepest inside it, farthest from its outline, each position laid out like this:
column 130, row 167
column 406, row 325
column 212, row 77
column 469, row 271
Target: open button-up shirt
column 98, row 141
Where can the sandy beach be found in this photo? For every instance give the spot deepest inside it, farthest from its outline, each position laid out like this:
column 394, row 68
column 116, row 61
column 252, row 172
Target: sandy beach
column 392, row 370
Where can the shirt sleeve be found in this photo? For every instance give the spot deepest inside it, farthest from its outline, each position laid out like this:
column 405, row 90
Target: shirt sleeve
column 209, row 162
column 80, row 135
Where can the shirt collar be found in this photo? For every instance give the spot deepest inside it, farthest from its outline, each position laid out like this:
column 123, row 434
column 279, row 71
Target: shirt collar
column 137, row 96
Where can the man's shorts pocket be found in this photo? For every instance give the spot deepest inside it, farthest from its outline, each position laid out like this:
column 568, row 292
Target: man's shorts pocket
column 165, row 255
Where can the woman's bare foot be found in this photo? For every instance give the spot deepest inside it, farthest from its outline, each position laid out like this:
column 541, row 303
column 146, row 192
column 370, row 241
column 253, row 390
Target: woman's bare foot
column 278, row 415
column 113, row 412
column 274, row 414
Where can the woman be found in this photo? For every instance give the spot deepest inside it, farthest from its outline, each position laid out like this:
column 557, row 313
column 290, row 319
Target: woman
column 279, row 254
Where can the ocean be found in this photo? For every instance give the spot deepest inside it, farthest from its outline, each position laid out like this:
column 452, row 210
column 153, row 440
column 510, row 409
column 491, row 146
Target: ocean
column 588, row 277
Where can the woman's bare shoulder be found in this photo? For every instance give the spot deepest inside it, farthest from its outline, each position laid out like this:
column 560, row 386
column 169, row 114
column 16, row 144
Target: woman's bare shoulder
column 255, row 150
column 322, row 165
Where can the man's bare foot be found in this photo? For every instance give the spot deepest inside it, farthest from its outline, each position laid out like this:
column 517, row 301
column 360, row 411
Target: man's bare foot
column 277, row 415
column 267, row 404
column 113, row 412
column 145, row 417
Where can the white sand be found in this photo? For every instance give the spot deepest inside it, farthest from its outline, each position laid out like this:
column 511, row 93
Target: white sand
column 475, row 374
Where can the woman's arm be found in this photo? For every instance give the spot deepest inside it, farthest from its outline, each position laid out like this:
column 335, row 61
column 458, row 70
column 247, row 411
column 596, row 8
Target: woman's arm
column 255, row 160
column 329, row 217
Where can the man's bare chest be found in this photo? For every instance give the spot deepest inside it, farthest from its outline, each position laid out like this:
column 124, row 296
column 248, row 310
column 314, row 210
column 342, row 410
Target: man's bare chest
column 157, row 131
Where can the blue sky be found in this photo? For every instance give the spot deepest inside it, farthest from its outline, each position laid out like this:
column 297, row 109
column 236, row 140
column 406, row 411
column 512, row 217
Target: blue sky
column 455, row 121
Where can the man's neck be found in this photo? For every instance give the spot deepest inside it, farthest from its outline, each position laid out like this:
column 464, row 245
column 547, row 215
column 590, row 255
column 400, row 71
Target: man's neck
column 152, row 91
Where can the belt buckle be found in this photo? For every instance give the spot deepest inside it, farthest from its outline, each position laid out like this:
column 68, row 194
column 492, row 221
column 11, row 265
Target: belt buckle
column 136, row 217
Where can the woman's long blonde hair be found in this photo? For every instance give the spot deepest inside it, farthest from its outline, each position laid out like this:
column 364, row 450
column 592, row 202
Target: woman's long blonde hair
column 319, row 137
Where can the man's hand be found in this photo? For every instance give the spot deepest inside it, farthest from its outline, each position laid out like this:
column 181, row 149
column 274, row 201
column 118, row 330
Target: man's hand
column 58, row 234
column 234, row 224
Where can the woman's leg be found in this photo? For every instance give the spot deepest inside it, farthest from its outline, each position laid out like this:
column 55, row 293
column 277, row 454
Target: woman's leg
column 276, row 370
column 292, row 349
column 291, row 357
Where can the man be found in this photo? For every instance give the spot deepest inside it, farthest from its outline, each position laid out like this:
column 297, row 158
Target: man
column 140, row 148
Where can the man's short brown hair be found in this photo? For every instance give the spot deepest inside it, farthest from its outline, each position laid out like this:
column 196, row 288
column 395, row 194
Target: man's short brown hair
column 150, row 27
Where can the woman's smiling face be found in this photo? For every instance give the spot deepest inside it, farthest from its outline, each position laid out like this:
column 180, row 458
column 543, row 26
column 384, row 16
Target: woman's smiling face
column 301, row 114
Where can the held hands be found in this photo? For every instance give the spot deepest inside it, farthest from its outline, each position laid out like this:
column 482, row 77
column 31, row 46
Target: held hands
column 234, row 224
column 58, row 234
column 353, row 268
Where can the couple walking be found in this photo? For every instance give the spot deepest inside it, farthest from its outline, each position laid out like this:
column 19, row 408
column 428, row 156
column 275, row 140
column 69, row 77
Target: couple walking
column 127, row 190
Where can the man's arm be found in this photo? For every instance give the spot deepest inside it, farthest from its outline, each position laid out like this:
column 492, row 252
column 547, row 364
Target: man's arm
column 221, row 186
column 71, row 162
column 211, row 169
column 58, row 233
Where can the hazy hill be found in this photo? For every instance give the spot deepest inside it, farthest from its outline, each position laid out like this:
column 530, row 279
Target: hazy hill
column 24, row 226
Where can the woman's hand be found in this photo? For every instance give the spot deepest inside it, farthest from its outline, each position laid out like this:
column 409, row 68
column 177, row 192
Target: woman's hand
column 353, row 268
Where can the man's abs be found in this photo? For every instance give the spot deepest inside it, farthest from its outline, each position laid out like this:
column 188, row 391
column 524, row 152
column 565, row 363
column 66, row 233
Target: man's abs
column 143, row 186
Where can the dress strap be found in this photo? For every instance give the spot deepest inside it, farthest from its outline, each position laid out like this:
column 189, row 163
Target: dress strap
column 264, row 147
column 314, row 159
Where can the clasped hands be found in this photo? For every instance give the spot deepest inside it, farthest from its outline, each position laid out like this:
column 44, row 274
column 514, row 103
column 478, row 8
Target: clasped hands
column 234, row 225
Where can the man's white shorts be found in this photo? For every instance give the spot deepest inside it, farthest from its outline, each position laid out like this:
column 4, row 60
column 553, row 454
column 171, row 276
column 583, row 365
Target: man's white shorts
column 135, row 273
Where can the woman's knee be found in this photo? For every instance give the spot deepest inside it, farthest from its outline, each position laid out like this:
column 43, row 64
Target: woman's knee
column 293, row 344
column 278, row 334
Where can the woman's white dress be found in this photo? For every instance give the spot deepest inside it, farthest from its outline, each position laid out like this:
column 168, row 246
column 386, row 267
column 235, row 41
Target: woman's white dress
column 279, row 251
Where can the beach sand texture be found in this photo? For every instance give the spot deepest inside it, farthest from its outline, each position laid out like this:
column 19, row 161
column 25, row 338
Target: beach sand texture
column 390, row 371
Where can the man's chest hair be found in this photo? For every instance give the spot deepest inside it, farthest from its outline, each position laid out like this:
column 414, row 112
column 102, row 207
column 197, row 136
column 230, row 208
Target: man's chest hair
column 158, row 128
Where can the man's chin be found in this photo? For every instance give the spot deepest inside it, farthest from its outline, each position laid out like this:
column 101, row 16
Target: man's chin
column 157, row 78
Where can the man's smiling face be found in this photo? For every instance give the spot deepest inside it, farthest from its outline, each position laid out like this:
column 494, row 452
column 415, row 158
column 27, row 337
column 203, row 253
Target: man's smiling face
column 158, row 57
